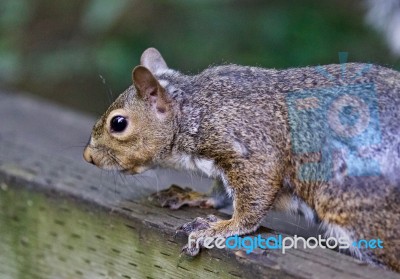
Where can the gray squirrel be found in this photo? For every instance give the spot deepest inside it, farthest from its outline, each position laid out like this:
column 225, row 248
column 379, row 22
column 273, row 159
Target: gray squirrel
column 322, row 138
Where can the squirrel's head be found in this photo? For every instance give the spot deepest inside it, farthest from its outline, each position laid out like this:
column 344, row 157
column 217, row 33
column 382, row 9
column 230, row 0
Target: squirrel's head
column 138, row 127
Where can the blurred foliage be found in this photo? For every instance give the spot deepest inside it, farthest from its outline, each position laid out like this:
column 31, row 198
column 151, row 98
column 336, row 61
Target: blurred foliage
column 75, row 51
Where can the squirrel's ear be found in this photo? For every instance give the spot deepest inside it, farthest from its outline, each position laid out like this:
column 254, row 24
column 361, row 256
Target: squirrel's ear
column 153, row 60
column 149, row 89
column 144, row 81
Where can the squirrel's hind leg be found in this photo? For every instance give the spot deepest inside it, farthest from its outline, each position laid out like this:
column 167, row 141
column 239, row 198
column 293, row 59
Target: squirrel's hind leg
column 175, row 197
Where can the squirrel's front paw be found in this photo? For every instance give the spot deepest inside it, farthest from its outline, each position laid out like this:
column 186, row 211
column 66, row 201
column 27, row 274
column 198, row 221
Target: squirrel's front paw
column 175, row 197
column 196, row 241
column 198, row 230
column 201, row 228
column 198, row 224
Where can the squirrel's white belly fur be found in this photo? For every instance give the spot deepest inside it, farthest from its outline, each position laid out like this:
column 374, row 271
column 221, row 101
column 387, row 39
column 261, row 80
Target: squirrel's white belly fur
column 207, row 167
column 191, row 163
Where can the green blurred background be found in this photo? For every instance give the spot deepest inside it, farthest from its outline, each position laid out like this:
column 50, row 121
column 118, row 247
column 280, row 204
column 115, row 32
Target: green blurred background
column 76, row 51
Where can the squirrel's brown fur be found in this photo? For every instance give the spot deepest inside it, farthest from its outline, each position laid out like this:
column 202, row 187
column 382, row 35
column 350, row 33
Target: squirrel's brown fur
column 232, row 123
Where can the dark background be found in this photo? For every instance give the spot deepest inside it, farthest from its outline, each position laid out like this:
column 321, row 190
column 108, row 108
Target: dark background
column 76, row 51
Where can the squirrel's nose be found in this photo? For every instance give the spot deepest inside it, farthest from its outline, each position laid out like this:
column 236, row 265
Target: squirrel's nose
column 87, row 156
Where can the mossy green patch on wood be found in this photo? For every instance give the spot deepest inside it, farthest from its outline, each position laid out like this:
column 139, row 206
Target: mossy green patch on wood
column 43, row 236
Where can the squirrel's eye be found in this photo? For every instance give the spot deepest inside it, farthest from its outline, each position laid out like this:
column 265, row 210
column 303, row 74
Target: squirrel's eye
column 118, row 123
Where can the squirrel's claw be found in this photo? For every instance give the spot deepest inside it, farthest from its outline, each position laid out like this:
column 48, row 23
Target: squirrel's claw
column 190, row 251
column 198, row 224
column 196, row 230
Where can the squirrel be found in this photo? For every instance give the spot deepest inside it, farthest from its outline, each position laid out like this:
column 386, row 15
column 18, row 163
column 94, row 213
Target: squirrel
column 322, row 139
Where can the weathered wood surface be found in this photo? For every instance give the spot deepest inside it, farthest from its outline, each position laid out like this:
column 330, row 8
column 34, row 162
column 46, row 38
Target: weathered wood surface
column 40, row 152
